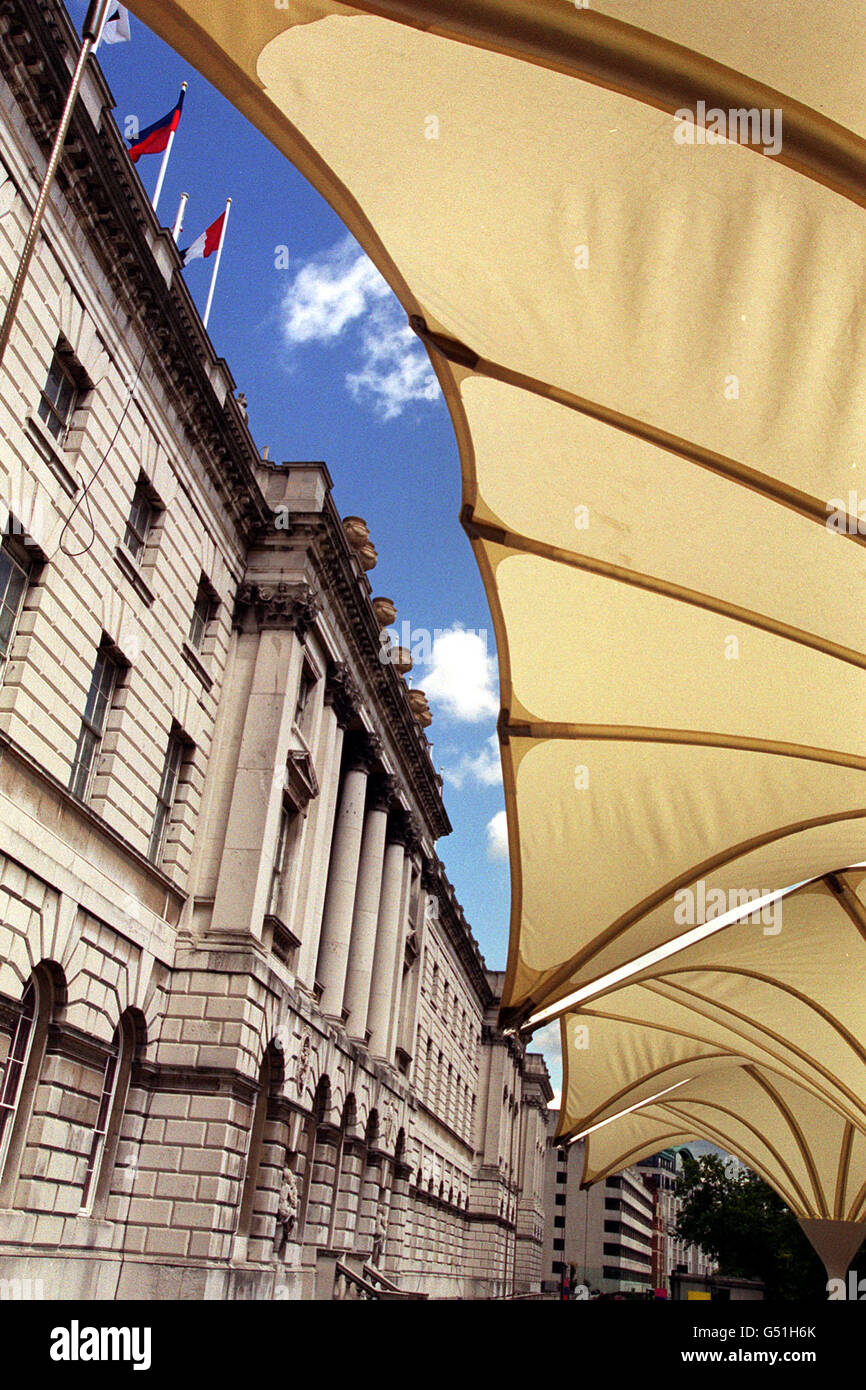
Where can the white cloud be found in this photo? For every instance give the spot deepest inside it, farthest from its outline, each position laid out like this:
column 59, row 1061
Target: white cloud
column 483, row 767
column 329, row 292
column 548, row 1038
column 396, row 369
column 462, row 676
column 340, row 292
column 557, row 1100
column 497, row 837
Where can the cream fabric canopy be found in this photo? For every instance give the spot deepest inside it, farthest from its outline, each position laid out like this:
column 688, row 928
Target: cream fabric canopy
column 652, row 345
column 761, row 1116
column 785, row 994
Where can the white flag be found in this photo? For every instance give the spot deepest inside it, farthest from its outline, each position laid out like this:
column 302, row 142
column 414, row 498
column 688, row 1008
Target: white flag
column 116, row 28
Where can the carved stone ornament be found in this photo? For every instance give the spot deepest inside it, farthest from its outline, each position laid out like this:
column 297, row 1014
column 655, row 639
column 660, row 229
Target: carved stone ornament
column 280, row 605
column 401, row 658
column 358, row 536
column 389, row 1120
column 403, row 829
column 341, row 692
column 368, row 555
column 363, row 752
column 289, row 1205
column 357, row 531
column 304, row 1062
column 385, row 610
column 383, row 792
column 420, row 708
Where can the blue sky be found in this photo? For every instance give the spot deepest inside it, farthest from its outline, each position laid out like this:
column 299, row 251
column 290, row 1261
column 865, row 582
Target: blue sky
column 321, row 349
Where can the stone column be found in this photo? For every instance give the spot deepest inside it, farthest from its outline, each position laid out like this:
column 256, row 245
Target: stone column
column 339, row 711
column 343, row 874
column 243, row 882
column 388, row 939
column 366, row 912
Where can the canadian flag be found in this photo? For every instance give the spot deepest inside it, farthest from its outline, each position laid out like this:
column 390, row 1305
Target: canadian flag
column 207, row 243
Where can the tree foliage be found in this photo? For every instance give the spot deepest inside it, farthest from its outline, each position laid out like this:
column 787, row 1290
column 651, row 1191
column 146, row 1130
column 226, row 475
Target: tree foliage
column 745, row 1227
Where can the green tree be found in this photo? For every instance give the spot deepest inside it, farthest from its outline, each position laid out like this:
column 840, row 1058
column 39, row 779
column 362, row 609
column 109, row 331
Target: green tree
column 743, row 1224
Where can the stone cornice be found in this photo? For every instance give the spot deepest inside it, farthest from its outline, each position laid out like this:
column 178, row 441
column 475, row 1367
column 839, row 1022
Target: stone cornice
column 457, row 930
column 37, row 48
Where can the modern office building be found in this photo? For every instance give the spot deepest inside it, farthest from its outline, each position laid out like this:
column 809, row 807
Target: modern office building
column 617, row 1235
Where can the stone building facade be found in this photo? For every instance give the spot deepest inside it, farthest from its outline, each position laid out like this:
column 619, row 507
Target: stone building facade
column 248, row 1046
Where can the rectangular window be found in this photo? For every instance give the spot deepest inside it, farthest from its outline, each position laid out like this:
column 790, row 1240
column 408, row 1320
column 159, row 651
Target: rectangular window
column 102, row 686
column 559, row 1222
column 166, row 794
column 559, row 1199
column 59, row 397
column 14, row 578
column 562, row 1177
column 141, row 518
column 288, row 816
column 305, row 689
column 202, row 614
column 559, row 1244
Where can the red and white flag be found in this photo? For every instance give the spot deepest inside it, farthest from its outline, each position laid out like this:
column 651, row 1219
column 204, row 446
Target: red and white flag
column 207, row 243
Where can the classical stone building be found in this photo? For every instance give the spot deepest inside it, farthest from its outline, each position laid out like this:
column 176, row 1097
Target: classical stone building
column 248, row 1046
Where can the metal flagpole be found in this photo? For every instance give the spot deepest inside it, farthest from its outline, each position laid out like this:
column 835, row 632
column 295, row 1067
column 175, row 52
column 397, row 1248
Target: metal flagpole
column 216, row 268
column 98, row 39
column 93, row 23
column 178, row 221
column 165, row 157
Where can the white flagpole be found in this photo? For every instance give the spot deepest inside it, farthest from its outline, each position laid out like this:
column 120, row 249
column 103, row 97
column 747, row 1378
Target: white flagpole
column 93, row 22
column 165, row 157
column 178, row 221
column 216, row 268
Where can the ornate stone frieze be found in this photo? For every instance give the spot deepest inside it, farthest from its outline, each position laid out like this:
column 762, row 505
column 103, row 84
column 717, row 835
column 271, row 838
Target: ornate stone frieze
column 280, row 605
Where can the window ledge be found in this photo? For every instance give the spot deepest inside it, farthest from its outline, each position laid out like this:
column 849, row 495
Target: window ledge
column 51, row 453
column 196, row 665
column 131, row 571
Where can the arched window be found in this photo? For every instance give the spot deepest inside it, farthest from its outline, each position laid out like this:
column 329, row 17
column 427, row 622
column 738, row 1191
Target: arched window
column 112, row 1104
column 16, row 1065
column 21, row 1076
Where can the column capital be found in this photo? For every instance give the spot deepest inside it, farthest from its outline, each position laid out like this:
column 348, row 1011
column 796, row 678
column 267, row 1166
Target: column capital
column 363, row 752
column 383, row 791
column 404, row 829
column 278, row 605
column 341, row 692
